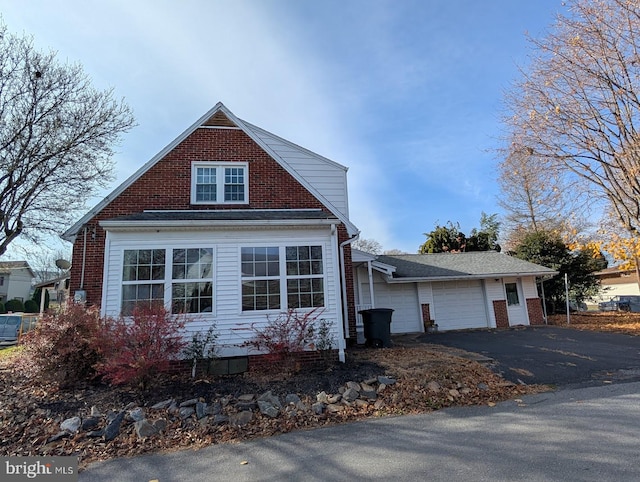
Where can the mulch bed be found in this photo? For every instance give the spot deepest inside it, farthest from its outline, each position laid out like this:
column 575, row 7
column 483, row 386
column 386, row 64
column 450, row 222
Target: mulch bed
column 428, row 378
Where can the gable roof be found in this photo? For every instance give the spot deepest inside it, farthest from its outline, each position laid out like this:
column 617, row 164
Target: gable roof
column 456, row 266
column 282, row 151
column 7, row 266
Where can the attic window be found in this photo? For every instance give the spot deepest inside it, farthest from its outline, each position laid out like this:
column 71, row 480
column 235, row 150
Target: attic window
column 219, row 183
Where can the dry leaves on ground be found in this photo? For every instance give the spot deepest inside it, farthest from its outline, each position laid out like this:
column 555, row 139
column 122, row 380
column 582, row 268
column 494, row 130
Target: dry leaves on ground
column 609, row 321
column 428, row 378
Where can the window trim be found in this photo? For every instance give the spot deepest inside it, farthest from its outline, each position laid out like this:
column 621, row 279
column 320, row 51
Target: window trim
column 168, row 280
column 283, row 277
column 220, row 184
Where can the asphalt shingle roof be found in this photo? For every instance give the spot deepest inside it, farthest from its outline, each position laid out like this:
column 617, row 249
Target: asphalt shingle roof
column 461, row 265
column 227, row 215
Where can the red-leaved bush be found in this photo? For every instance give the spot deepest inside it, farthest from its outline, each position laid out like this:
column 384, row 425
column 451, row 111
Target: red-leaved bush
column 135, row 349
column 285, row 335
column 62, row 347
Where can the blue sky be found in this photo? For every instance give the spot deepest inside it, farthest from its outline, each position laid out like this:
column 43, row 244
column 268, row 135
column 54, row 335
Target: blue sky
column 405, row 93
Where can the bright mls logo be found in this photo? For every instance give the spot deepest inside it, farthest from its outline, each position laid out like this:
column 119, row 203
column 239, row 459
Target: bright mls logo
column 51, row 469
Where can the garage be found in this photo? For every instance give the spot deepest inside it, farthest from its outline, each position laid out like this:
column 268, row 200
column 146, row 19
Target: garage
column 459, row 305
column 460, row 291
column 403, row 299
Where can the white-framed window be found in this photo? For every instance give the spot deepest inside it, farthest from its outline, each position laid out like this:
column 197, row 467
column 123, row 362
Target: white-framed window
column 511, row 290
column 143, row 276
column 219, row 182
column 280, row 277
column 188, row 272
column 192, row 280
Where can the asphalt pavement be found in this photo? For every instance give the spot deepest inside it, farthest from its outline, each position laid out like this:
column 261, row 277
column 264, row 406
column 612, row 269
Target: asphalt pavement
column 586, row 434
column 563, row 357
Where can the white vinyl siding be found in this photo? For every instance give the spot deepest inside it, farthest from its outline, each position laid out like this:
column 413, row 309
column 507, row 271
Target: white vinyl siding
column 327, row 177
column 234, row 325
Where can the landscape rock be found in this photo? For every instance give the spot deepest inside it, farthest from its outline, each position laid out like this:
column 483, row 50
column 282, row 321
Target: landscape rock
column 186, row 412
column 201, row 410
column 350, row 395
column 164, row 404
column 71, row 425
column 160, row 424
column 270, row 398
column 90, row 423
column 386, row 381
column 334, row 408
column 113, row 429
column 268, row 409
column 220, row 419
column 354, row 386
column 137, row 414
column 240, row 419
column 322, row 397
column 318, row 408
column 145, row 429
column 188, row 403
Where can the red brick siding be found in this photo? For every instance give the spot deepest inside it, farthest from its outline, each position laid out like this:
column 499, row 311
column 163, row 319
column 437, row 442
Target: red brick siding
column 534, row 308
column 500, row 310
column 167, row 185
column 298, row 361
column 426, row 315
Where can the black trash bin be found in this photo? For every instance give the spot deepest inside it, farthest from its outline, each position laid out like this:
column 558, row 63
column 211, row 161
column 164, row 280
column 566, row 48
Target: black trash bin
column 377, row 327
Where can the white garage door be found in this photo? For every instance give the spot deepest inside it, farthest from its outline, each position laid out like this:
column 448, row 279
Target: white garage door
column 459, row 305
column 403, row 299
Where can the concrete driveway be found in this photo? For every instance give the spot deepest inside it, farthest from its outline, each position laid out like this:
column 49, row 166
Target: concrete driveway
column 552, row 355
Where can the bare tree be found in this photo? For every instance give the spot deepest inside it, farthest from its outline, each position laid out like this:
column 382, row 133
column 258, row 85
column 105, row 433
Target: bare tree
column 370, row 246
column 531, row 195
column 577, row 106
column 56, row 139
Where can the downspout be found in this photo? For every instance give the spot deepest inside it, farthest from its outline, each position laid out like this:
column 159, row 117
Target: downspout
column 343, row 279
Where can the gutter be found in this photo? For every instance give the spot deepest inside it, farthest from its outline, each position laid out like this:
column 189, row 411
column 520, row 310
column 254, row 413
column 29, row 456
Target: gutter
column 416, row 279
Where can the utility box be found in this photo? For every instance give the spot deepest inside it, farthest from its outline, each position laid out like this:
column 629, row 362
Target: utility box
column 377, row 327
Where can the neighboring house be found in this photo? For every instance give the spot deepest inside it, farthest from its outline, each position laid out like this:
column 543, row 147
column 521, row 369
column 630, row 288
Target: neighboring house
column 58, row 288
column 456, row 291
column 15, row 280
column 229, row 223
column 616, row 282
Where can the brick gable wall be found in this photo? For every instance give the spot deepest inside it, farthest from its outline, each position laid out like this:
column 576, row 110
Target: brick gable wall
column 167, row 186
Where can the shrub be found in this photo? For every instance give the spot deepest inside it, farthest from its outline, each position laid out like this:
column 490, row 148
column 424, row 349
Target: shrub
column 136, row 349
column 202, row 346
column 62, row 346
column 36, row 297
column 15, row 306
column 289, row 333
column 3, row 309
column 31, row 306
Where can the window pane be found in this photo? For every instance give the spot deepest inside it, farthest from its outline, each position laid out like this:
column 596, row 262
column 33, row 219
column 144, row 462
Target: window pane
column 144, row 256
column 512, row 294
column 129, row 273
column 157, row 273
column 130, row 257
column 144, row 273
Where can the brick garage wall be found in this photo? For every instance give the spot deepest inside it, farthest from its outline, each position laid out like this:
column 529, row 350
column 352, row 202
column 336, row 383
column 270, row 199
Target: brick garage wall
column 351, row 301
column 534, row 308
column 502, row 317
column 426, row 314
column 167, row 186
